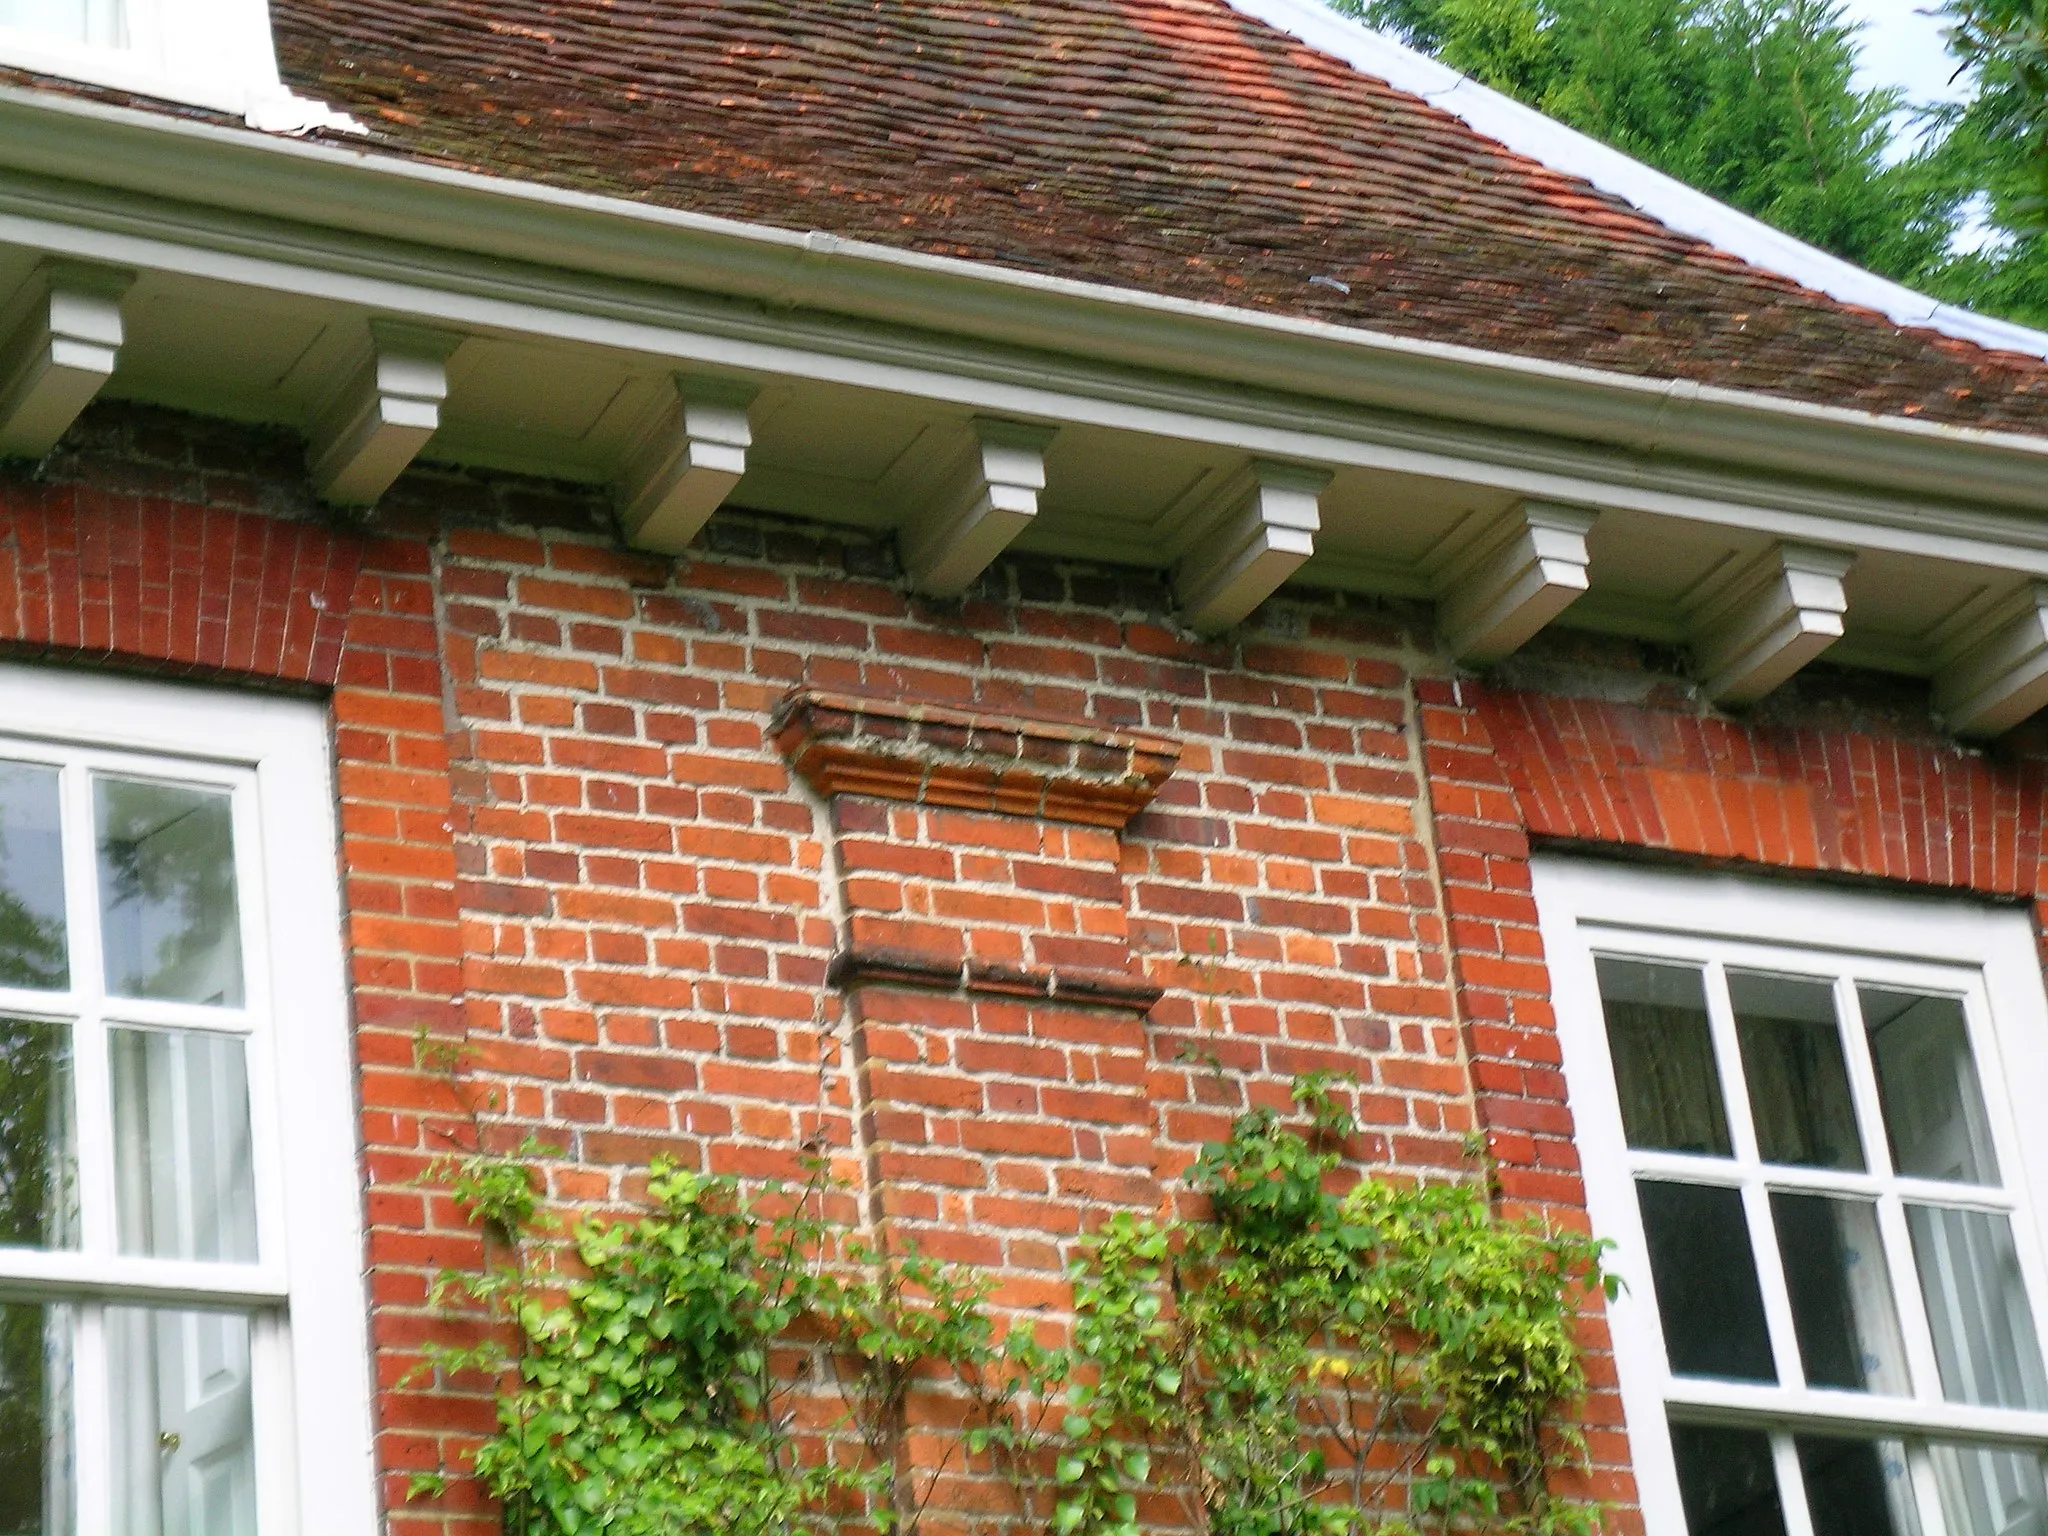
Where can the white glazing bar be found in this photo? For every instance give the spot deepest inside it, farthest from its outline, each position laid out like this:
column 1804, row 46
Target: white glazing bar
column 28, row 1003
column 2013, row 1165
column 92, row 1424
column 1685, row 1168
column 1877, row 1148
column 1960, row 1197
column 1728, row 1062
column 151, row 1014
column 1791, row 1486
column 1922, row 1368
column 1700, row 1170
column 1926, row 1491
column 1756, row 1204
column 1855, row 1413
column 266, row 1132
column 39, row 1272
column 270, row 1364
column 89, row 1061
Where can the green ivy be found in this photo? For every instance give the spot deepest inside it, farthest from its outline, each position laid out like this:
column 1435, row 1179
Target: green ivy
column 1299, row 1363
column 1392, row 1360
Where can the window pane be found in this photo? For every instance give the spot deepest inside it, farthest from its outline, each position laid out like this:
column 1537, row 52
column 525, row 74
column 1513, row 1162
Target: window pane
column 1663, row 1055
column 181, row 1145
column 1977, row 1307
column 1927, row 1079
column 1990, row 1493
column 1705, row 1275
column 1842, row 1306
column 1727, row 1481
column 38, row 1155
column 31, row 877
column 35, row 1420
column 184, row 1431
column 168, row 913
column 1792, row 1061
column 1857, row 1487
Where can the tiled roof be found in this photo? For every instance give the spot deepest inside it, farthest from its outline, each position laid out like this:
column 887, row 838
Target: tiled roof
column 1170, row 145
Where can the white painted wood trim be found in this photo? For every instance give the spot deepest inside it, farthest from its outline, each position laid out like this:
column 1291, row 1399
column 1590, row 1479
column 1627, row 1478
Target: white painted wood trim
column 204, row 53
column 1986, row 954
column 381, row 416
column 1263, row 531
column 314, row 1411
column 542, row 261
column 969, row 506
column 1503, row 586
column 686, row 464
column 63, row 347
column 1994, row 669
column 1773, row 619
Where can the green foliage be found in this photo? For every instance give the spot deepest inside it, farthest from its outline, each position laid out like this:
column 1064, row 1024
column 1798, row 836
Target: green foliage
column 1754, row 102
column 1302, row 1364
column 1393, row 1360
column 2006, row 43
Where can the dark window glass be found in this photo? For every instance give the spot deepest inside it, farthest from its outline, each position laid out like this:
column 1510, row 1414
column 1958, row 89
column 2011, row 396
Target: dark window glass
column 38, row 1154
column 1705, row 1275
column 1792, row 1061
column 1842, row 1308
column 1727, row 1481
column 1663, row 1053
column 35, row 1418
column 1857, row 1487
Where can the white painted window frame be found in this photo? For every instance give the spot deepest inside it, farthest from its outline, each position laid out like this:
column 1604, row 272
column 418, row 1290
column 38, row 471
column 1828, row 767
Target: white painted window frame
column 203, row 53
column 1986, row 955
column 310, row 1345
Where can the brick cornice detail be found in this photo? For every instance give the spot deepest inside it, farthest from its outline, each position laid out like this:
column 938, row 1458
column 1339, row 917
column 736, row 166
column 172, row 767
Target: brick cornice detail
column 907, row 968
column 972, row 760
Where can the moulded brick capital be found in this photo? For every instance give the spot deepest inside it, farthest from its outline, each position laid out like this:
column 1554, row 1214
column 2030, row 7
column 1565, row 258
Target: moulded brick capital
column 937, row 755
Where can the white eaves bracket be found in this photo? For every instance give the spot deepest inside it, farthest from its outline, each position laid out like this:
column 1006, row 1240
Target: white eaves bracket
column 1519, row 574
column 687, row 463
column 1776, row 615
column 62, row 349
column 376, row 423
column 1993, row 672
column 1266, row 533
column 970, row 506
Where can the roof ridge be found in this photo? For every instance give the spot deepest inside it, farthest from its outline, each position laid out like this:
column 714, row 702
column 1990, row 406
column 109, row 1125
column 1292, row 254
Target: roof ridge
column 1684, row 209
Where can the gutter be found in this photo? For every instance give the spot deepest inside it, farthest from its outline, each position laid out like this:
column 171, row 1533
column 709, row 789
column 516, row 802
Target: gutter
column 344, row 208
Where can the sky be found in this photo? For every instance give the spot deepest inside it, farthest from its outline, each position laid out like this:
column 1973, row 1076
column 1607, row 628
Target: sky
column 1901, row 45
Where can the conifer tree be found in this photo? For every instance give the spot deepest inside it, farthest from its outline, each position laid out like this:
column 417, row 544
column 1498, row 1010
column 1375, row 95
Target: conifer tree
column 1755, row 102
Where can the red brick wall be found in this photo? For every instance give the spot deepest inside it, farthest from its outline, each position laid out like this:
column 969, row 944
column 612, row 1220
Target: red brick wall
column 572, row 843
column 652, row 897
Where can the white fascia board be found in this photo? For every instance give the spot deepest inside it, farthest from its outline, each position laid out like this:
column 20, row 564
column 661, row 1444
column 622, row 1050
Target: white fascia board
column 486, row 255
column 571, row 238
column 1670, row 202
